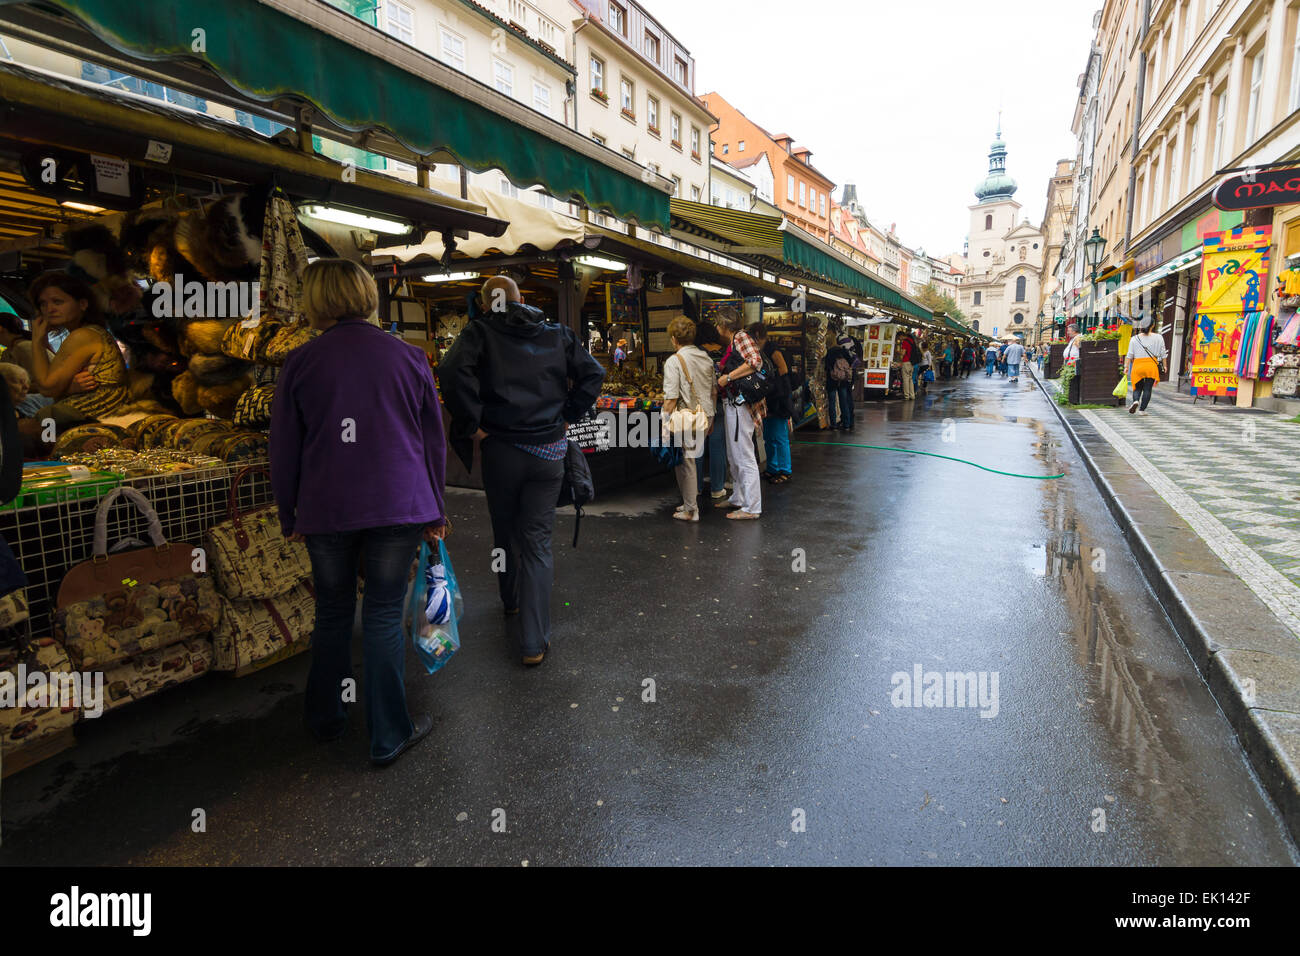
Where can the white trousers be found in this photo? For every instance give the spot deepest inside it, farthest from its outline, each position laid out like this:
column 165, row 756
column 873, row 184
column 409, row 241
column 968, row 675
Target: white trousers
column 747, row 491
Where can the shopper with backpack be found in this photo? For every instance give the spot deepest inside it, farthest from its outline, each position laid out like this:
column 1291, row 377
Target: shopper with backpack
column 514, row 380
column 839, row 386
column 744, row 407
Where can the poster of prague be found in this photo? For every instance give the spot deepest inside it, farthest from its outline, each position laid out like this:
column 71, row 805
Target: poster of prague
column 1234, row 275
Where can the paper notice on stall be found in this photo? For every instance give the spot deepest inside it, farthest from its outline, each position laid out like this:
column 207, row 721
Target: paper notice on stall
column 112, row 175
column 158, row 152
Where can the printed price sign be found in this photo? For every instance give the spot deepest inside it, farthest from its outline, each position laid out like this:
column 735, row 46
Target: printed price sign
column 591, row 435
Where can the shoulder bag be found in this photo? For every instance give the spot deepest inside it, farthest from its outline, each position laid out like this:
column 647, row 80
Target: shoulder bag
column 249, row 555
column 111, row 608
column 686, row 426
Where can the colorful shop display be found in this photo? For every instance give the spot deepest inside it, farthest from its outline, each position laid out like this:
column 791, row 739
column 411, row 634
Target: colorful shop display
column 1234, row 274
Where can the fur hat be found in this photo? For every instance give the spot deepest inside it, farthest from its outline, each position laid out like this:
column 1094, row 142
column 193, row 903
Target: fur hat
column 185, row 389
column 220, row 400
column 217, row 369
column 203, row 335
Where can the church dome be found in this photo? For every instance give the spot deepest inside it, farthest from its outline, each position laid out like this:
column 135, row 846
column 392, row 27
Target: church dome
column 997, row 185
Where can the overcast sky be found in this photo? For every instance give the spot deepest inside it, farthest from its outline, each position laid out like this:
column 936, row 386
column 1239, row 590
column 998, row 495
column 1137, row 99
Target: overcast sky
column 901, row 97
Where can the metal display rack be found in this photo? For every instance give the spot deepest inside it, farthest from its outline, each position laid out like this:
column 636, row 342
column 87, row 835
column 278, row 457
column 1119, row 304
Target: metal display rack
column 50, row 539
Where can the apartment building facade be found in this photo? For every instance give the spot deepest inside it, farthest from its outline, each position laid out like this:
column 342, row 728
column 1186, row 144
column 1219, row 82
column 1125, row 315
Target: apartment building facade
column 1056, row 228
column 636, row 90
column 803, row 194
column 1073, row 273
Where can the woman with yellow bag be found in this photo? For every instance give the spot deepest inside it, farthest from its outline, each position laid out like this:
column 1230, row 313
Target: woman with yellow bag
column 1142, row 366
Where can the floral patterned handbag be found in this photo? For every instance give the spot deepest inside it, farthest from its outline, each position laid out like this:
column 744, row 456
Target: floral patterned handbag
column 112, row 608
column 249, row 555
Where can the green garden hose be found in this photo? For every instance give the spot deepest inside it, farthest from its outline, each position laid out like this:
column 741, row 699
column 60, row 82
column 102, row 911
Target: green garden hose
column 930, row 454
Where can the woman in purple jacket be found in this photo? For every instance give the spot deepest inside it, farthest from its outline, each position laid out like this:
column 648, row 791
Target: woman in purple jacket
column 357, row 466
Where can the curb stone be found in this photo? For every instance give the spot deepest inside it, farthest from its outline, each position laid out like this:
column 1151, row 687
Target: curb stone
column 1254, row 675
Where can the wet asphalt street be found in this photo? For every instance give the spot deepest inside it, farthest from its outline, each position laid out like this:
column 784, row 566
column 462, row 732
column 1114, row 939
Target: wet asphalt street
column 772, row 694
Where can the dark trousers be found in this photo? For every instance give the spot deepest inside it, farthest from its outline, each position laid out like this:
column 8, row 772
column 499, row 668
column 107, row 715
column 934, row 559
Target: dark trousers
column 335, row 559
column 1142, row 392
column 843, row 392
column 521, row 494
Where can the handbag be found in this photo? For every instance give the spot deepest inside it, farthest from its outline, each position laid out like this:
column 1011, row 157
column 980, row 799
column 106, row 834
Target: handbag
column 253, row 407
column 687, row 427
column 577, row 487
column 1121, row 390
column 114, row 607
column 256, row 633
column 248, row 553
column 929, row 375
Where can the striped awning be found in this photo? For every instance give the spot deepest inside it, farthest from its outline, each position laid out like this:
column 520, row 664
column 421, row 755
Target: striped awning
column 772, row 243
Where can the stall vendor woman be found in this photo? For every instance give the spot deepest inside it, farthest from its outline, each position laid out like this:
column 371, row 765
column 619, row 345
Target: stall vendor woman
column 87, row 376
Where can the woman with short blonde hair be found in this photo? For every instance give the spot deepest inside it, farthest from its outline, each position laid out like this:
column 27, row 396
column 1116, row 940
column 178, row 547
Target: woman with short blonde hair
column 358, row 459
column 335, row 289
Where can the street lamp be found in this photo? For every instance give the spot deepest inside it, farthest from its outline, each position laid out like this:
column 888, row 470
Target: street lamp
column 1094, row 250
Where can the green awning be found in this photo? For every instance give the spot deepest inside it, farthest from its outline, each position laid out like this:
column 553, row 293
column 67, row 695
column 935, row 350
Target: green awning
column 777, row 246
column 362, row 79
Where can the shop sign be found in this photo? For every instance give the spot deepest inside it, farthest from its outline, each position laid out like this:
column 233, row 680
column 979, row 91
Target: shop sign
column 1258, row 189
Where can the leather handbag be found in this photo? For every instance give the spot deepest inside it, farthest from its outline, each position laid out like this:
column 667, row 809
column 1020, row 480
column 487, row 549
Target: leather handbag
column 256, row 633
column 114, row 607
column 249, row 555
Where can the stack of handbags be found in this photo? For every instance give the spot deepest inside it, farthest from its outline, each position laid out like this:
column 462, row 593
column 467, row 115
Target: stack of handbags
column 268, row 603
column 122, row 614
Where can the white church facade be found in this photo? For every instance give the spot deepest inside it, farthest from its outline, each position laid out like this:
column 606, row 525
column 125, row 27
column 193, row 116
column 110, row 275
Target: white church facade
column 1001, row 292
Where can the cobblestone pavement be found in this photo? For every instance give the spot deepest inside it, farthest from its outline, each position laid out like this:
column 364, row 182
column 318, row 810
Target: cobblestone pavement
column 1231, row 474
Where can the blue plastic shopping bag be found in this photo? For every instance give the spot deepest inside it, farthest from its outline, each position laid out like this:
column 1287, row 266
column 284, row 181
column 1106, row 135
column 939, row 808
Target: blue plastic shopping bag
column 436, row 608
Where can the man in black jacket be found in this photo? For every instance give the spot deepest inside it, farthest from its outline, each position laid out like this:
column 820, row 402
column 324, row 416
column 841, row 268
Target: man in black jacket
column 514, row 381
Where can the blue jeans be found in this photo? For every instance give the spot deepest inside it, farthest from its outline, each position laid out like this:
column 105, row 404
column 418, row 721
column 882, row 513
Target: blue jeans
column 988, row 366
column 1014, row 369
column 776, row 435
column 335, row 559
column 843, row 391
column 717, row 451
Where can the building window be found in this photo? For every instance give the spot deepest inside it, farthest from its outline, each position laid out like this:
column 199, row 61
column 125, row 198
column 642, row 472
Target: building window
column 1220, row 129
column 1256, row 87
column 695, row 194
column 695, row 142
column 675, row 129
column 1294, row 102
column 988, row 222
column 399, row 21
column 740, row 147
column 597, row 74
column 812, row 199
column 725, row 149
column 598, row 138
column 977, row 297
column 625, row 94
column 453, row 49
column 1020, row 289
column 789, row 188
column 1020, row 318
column 803, row 194
column 822, row 204
column 677, row 185
column 652, row 114
column 1175, row 164
column 509, row 189
column 541, row 97
column 679, row 70
column 545, row 201
column 629, row 154
column 1193, row 155
column 618, row 18
column 651, row 47
column 503, row 77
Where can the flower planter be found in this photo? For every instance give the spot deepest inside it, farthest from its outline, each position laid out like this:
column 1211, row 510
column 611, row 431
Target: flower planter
column 1097, row 373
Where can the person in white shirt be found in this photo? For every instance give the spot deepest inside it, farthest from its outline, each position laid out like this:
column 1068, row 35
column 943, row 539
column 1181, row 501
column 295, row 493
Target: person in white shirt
column 1013, row 356
column 1072, row 350
column 1142, row 366
column 688, row 383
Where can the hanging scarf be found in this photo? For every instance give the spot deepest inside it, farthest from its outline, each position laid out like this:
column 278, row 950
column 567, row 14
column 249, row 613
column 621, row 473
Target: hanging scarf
column 1256, row 344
